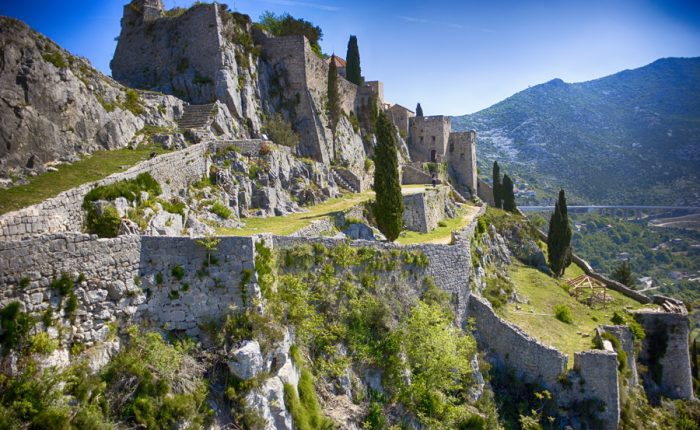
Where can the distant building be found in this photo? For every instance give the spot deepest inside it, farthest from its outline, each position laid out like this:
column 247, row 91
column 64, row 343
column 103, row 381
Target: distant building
column 340, row 64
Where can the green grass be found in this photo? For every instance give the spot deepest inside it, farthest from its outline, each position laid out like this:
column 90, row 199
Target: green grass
column 288, row 224
column 538, row 316
column 441, row 234
column 98, row 165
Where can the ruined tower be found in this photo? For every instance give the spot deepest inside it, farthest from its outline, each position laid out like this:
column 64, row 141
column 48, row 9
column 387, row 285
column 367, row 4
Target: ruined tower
column 428, row 138
column 461, row 160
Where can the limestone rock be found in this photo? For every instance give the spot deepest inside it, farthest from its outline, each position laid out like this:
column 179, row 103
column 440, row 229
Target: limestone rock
column 359, row 231
column 246, row 361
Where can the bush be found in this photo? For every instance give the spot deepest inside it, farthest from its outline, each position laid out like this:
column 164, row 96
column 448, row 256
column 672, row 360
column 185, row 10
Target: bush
column 563, row 313
column 40, row 343
column 287, row 25
column 130, row 189
column 280, row 131
column 56, row 59
column 178, row 272
column 133, row 102
column 105, row 224
column 15, row 326
column 221, row 210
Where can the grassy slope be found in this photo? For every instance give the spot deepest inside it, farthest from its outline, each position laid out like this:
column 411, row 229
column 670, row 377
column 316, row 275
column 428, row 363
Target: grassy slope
column 441, row 235
column 543, row 293
column 91, row 168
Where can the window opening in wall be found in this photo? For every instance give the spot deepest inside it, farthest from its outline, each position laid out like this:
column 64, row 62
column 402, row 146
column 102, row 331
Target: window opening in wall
column 452, row 147
column 433, row 155
column 461, row 155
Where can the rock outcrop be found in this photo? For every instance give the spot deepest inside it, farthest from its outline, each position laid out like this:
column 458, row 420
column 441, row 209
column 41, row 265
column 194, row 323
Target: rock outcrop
column 55, row 106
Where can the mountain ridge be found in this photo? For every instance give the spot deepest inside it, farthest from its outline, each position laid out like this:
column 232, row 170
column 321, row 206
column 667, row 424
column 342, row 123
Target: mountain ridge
column 630, row 137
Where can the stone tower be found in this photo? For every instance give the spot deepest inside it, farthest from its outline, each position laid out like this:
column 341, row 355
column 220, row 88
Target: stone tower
column 145, row 10
column 461, row 161
column 428, row 138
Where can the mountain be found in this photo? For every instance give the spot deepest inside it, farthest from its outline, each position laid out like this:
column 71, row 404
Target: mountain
column 629, row 138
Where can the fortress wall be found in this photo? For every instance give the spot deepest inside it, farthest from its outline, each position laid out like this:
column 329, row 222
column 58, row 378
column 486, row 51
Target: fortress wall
column 626, row 338
column 167, row 53
column 423, row 211
column 449, row 265
column 598, row 371
column 534, row 361
column 109, row 266
column 62, row 213
column 666, row 354
column 485, row 192
column 205, row 292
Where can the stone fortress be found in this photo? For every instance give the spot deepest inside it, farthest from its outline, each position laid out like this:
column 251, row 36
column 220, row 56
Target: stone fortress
column 199, row 57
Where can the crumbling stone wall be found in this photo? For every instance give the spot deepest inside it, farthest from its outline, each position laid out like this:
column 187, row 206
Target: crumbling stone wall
column 626, row 338
column 461, row 161
column 107, row 294
column 400, row 117
column 423, row 211
column 598, row 372
column 62, row 213
column 666, row 355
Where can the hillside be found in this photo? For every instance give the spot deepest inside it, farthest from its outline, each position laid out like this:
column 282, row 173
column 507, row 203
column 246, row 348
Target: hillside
column 630, row 138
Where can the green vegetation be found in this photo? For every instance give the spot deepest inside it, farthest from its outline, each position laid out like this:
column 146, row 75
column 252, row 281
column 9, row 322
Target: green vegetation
column 287, row 25
column 559, row 237
column 563, row 314
column 419, row 110
column 340, row 296
column 55, row 58
column 544, row 294
column 507, row 194
column 280, row 131
column 178, row 272
column 92, row 167
column 353, row 69
column 221, row 210
column 496, row 185
column 149, row 384
column 105, row 222
column 303, row 404
column 333, row 99
column 623, row 274
column 388, row 205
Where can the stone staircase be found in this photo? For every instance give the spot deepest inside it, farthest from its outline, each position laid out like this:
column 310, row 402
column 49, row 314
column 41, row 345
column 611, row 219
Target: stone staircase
column 342, row 182
column 195, row 116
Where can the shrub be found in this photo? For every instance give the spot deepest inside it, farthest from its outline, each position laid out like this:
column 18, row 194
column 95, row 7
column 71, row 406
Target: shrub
column 133, row 102
column 287, row 25
column 15, row 326
column 71, row 306
column 174, row 206
column 280, row 131
column 497, row 291
column 105, row 224
column 130, row 189
column 178, row 272
column 159, row 278
column 40, row 343
column 24, row 282
column 221, row 210
column 617, row 318
column 63, row 285
column 56, row 59
column 563, row 313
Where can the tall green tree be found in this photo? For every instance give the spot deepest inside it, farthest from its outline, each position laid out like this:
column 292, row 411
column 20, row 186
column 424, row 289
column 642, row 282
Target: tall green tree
column 623, row 274
column 333, row 95
column 419, row 110
column 353, row 70
column 496, row 175
column 388, row 206
column 559, row 237
column 508, row 195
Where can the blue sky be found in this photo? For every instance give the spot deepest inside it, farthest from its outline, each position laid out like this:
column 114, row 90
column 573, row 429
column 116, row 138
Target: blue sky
column 455, row 57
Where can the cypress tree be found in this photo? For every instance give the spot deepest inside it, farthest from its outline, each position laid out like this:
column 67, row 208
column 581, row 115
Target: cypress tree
column 388, row 206
column 353, row 71
column 419, row 110
column 559, row 237
column 623, row 274
column 333, row 103
column 497, row 197
column 508, row 195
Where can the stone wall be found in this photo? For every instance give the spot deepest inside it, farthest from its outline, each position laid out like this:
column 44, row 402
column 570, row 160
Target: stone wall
column 428, row 137
column 626, row 338
column 598, row 372
column 413, row 173
column 400, row 117
column 666, row 354
column 423, row 211
column 514, row 348
column 174, row 171
column 461, row 161
column 108, row 265
column 485, row 192
column 208, row 287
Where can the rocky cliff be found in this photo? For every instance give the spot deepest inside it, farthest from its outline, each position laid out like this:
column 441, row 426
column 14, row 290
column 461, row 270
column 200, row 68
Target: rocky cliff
column 55, row 106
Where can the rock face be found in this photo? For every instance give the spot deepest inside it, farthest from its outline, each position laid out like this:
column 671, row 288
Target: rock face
column 54, row 106
column 202, row 55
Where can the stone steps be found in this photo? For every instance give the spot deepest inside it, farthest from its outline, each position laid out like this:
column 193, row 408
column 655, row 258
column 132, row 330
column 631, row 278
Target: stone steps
column 195, row 116
column 342, row 182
